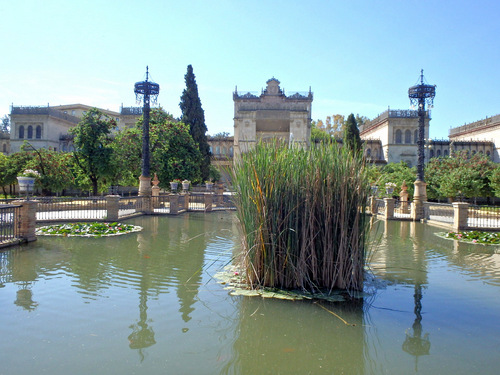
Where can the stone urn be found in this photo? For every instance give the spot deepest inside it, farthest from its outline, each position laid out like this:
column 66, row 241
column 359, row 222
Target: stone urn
column 26, row 184
column 174, row 186
column 185, row 185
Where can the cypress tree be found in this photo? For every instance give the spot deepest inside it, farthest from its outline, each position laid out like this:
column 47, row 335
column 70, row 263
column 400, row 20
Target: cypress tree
column 351, row 134
column 194, row 116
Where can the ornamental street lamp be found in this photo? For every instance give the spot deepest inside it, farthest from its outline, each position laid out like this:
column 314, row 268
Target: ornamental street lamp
column 146, row 91
column 419, row 95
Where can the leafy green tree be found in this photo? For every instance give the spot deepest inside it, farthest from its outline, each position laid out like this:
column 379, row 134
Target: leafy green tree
column 194, row 116
column 55, row 168
column 351, row 134
column 319, row 135
column 459, row 175
column 93, row 152
column 495, row 181
column 397, row 173
column 174, row 154
column 11, row 167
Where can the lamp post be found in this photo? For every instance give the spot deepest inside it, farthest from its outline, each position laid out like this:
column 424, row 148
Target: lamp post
column 419, row 95
column 146, row 91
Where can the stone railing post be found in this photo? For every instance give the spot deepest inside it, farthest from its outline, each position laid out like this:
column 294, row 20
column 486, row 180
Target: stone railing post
column 25, row 225
column 419, row 197
column 174, row 204
column 112, row 207
column 219, row 194
column 147, row 204
column 373, row 205
column 184, row 201
column 389, row 208
column 208, row 202
column 460, row 215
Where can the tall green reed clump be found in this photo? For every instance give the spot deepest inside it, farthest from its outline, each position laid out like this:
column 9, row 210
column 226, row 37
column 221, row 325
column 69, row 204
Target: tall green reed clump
column 302, row 214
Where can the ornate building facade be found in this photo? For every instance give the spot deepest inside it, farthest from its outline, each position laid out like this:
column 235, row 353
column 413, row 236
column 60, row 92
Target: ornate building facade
column 272, row 114
column 392, row 137
column 48, row 127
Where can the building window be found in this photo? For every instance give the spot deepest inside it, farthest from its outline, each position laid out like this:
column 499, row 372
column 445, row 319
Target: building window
column 445, row 153
column 438, row 153
column 431, row 153
column 211, row 150
column 416, row 136
column 399, row 136
column 4, row 147
column 223, row 151
column 407, row 136
column 231, row 151
column 38, row 132
column 30, row 132
column 217, row 150
column 21, row 132
column 368, row 152
column 487, row 153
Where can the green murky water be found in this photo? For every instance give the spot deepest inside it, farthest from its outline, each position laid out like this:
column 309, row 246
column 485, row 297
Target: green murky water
column 147, row 303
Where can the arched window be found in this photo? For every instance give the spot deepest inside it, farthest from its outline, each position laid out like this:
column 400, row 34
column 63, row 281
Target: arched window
column 223, row 151
column 431, row 153
column 415, row 136
column 368, row 152
column 487, row 153
column 38, row 132
column 407, row 136
column 438, row 153
column 30, row 132
column 4, row 148
column 21, row 132
column 231, row 151
column 445, row 153
column 217, row 150
column 211, row 150
column 474, row 152
column 399, row 136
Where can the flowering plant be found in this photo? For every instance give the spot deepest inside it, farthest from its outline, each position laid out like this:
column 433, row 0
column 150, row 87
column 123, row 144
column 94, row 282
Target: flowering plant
column 30, row 173
column 389, row 185
column 186, row 182
column 176, row 181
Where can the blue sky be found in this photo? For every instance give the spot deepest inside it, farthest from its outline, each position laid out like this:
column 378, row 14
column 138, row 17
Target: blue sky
column 357, row 56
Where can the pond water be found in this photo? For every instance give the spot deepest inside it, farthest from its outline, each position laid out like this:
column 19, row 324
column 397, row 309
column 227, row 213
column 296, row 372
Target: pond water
column 148, row 303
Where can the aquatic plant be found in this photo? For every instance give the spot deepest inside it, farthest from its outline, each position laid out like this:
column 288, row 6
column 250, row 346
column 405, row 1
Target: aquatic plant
column 474, row 236
column 302, row 216
column 87, row 229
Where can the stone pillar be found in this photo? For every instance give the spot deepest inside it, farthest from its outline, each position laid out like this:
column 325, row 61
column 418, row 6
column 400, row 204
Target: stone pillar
column 219, row 194
column 174, row 204
column 147, row 204
column 144, row 186
column 25, row 225
column 373, row 205
column 403, row 197
column 112, row 207
column 419, row 197
column 208, row 202
column 389, row 208
column 460, row 215
column 184, row 201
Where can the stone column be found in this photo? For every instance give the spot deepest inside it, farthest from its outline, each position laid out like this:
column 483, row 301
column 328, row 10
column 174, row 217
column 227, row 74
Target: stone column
column 419, row 197
column 174, row 204
column 112, row 207
column 389, row 208
column 25, row 225
column 144, row 186
column 184, row 201
column 460, row 215
column 208, row 202
column 219, row 194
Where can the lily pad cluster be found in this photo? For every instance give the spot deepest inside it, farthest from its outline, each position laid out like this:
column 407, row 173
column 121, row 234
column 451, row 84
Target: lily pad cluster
column 94, row 229
column 234, row 281
column 474, row 236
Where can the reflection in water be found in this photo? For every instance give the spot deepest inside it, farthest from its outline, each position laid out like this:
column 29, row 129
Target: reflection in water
column 25, row 298
column 284, row 337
